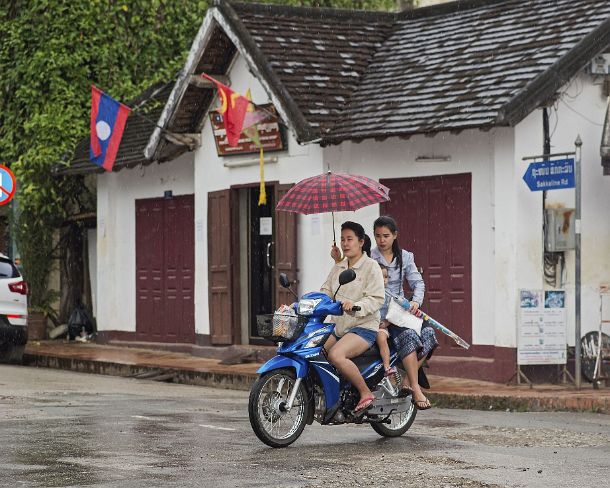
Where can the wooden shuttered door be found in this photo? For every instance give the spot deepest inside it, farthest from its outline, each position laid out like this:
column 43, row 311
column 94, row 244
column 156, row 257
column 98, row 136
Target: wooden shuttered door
column 434, row 220
column 220, row 272
column 285, row 237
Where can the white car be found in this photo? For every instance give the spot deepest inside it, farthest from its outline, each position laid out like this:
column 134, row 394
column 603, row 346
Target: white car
column 13, row 312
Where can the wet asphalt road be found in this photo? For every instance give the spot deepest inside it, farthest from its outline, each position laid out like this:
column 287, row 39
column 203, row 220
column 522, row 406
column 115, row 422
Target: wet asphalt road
column 68, row 429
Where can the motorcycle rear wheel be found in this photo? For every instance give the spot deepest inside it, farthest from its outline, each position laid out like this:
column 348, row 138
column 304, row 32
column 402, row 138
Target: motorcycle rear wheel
column 400, row 423
column 270, row 422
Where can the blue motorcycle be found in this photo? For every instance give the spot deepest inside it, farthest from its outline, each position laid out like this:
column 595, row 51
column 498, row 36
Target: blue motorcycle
column 299, row 385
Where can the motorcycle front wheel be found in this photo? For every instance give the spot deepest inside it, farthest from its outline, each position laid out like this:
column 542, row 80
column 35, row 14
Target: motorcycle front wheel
column 270, row 420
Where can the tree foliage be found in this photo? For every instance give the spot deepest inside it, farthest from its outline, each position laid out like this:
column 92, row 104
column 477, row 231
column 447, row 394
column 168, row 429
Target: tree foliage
column 51, row 51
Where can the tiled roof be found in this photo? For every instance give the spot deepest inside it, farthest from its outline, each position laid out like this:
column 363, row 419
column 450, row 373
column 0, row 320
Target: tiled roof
column 319, row 55
column 454, row 71
column 339, row 75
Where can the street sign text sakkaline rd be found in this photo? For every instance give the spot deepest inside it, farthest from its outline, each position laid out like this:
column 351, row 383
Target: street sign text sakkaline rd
column 550, row 175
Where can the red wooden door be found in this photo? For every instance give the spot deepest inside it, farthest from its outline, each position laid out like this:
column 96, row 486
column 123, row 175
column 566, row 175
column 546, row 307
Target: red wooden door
column 165, row 263
column 434, row 220
column 220, row 270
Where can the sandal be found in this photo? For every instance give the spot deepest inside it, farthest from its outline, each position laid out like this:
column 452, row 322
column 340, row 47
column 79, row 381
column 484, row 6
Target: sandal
column 391, row 371
column 364, row 404
column 422, row 404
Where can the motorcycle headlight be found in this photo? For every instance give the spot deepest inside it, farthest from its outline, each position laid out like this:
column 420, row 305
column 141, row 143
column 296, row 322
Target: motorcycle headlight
column 307, row 306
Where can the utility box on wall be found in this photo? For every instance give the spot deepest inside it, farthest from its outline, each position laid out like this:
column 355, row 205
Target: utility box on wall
column 559, row 225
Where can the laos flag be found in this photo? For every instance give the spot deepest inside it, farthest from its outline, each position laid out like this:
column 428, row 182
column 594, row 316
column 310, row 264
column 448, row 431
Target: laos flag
column 108, row 118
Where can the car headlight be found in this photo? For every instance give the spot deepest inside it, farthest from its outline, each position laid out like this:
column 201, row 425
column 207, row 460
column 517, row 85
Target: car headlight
column 307, row 306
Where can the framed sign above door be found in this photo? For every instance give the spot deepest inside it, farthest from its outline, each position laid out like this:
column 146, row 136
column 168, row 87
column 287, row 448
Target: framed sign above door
column 270, row 133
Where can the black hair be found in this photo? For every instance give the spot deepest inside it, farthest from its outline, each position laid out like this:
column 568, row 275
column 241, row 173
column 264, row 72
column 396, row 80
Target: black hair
column 356, row 227
column 360, row 234
column 390, row 223
column 366, row 247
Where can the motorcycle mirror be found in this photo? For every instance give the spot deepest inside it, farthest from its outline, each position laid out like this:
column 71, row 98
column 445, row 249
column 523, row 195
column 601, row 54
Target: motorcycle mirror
column 347, row 276
column 284, row 280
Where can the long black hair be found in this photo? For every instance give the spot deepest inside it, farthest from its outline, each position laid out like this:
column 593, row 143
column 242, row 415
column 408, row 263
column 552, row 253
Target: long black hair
column 390, row 223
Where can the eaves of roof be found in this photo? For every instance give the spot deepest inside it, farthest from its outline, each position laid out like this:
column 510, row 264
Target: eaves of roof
column 544, row 86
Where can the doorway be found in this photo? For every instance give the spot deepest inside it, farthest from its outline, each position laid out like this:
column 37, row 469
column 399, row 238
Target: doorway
column 248, row 247
column 257, row 260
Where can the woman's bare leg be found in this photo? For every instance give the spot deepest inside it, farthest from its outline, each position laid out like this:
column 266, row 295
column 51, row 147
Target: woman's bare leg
column 330, row 342
column 384, row 349
column 350, row 346
column 411, row 365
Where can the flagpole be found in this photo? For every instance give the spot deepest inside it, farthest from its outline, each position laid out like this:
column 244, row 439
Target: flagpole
column 134, row 111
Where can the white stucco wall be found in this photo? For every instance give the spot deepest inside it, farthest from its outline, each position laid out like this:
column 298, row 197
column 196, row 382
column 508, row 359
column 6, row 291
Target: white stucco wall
column 579, row 111
column 116, row 222
column 506, row 216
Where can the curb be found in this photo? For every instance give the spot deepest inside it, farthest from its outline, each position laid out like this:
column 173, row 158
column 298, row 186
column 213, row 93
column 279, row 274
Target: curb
column 520, row 404
column 243, row 381
column 234, row 381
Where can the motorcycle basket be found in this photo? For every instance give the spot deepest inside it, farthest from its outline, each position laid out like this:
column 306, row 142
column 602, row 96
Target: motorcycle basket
column 279, row 327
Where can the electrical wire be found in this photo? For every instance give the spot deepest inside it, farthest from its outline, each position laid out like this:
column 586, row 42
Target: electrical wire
column 551, row 260
column 583, row 116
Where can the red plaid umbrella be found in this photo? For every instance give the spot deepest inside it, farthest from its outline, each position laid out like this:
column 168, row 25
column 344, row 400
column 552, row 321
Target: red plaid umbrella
column 330, row 192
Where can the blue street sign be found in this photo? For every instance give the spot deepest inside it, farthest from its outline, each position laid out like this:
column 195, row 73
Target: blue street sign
column 550, row 175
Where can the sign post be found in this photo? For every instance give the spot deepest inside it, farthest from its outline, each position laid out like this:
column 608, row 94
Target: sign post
column 577, row 351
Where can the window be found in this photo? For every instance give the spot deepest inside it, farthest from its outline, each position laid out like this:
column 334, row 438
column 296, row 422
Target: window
column 8, row 269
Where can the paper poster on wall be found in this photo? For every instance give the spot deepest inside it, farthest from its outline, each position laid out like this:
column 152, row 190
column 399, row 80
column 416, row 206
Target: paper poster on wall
column 315, row 225
column 199, row 231
column 266, row 226
column 542, row 327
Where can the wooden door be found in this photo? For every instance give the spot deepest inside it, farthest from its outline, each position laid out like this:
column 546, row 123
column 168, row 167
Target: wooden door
column 165, row 263
column 220, row 270
column 434, row 220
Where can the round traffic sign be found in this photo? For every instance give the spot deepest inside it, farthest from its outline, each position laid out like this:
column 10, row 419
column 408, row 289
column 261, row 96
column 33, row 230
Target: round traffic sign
column 8, row 185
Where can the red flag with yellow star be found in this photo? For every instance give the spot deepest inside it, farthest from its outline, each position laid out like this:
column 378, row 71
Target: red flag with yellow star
column 233, row 110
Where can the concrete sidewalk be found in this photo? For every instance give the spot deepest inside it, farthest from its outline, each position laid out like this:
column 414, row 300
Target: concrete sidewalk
column 187, row 369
